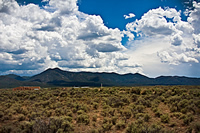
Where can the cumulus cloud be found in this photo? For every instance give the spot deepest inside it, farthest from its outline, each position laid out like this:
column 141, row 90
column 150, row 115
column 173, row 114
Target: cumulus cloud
column 181, row 37
column 154, row 23
column 178, row 41
column 130, row 15
column 176, row 59
column 56, row 36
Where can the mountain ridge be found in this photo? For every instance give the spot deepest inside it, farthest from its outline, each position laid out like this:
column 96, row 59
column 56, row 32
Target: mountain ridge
column 57, row 77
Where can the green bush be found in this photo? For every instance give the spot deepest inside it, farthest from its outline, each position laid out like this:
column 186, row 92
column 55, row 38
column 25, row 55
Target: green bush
column 147, row 117
column 6, row 129
column 188, row 119
column 83, row 118
column 196, row 127
column 114, row 120
column 132, row 128
column 26, row 126
column 127, row 113
column 135, row 90
column 21, row 117
column 165, row 118
column 95, row 105
column 80, row 112
column 94, row 118
column 107, row 126
column 120, row 125
column 158, row 113
column 139, row 108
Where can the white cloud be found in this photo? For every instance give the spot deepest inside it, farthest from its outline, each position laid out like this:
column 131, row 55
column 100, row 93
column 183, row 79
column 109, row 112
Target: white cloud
column 169, row 39
column 177, row 40
column 197, row 39
column 57, row 36
column 154, row 23
column 130, row 15
column 194, row 18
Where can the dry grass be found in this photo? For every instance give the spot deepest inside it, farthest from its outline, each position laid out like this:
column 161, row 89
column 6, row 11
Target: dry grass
column 111, row 110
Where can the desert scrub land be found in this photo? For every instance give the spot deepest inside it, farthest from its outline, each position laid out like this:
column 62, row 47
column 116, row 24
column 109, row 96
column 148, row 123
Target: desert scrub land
column 153, row 109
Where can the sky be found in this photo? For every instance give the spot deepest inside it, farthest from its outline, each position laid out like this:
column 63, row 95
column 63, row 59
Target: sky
column 151, row 37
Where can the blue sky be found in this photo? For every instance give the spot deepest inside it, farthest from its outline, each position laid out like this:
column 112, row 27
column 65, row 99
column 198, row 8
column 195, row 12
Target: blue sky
column 113, row 11
column 152, row 37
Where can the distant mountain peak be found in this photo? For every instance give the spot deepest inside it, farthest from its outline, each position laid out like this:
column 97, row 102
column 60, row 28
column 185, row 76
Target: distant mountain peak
column 57, row 77
column 55, row 69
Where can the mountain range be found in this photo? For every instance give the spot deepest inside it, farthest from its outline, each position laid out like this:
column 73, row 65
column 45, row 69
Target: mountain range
column 57, row 78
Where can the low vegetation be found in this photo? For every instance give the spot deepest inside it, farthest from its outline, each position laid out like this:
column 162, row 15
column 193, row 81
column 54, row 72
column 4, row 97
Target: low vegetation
column 95, row 110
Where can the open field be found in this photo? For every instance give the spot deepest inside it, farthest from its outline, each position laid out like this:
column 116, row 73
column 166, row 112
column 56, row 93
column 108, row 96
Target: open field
column 112, row 109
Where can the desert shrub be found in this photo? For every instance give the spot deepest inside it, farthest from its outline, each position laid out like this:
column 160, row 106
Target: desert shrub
column 197, row 103
column 132, row 128
column 147, row 117
column 173, row 99
column 127, row 113
column 26, row 126
column 155, row 128
column 158, row 113
column 69, row 113
column 67, row 126
column 6, row 117
column 158, row 91
column 59, row 112
column 139, row 122
column 195, row 126
column 6, row 129
column 94, row 118
column 111, row 111
column 114, row 120
column 63, row 94
column 115, row 102
column 94, row 131
column 161, row 98
column 183, row 116
column 184, row 110
column 137, row 128
column 52, row 125
column 165, row 118
column 142, row 101
column 95, row 105
column 108, row 112
column 173, row 108
column 120, row 124
column 83, row 118
column 80, row 112
column 21, row 117
column 173, row 124
column 32, row 115
column 192, row 107
column 188, row 119
column 1, row 114
column 139, row 116
column 154, row 109
column 139, row 108
column 104, row 113
column 134, row 97
column 48, row 113
column 106, row 106
column 107, row 126
column 32, row 97
column 182, row 104
column 176, row 114
column 135, row 90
